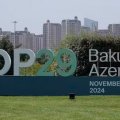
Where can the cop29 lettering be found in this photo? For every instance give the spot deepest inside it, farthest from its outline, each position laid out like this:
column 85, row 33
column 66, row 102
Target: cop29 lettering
column 64, row 67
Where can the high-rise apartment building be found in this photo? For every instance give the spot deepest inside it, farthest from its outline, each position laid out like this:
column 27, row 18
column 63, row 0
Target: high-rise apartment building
column 103, row 32
column 85, row 29
column 30, row 40
column 114, row 29
column 24, row 39
column 0, row 31
column 93, row 25
column 71, row 27
column 37, row 43
column 51, row 35
column 10, row 35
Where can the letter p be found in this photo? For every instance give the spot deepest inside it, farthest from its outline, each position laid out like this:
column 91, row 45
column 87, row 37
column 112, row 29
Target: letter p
column 18, row 64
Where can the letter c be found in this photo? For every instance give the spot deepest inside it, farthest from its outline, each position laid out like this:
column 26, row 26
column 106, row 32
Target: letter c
column 7, row 60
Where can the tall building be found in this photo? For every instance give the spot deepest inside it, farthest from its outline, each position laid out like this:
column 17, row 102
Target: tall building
column 8, row 34
column 30, row 40
column 0, row 31
column 51, row 35
column 25, row 38
column 71, row 27
column 103, row 32
column 12, row 37
column 93, row 25
column 37, row 43
column 114, row 29
column 85, row 29
column 1, row 36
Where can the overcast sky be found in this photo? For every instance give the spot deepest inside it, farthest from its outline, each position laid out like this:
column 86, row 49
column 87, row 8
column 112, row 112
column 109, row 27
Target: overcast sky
column 33, row 13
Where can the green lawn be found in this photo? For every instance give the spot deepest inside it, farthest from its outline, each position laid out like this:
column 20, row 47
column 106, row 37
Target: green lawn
column 60, row 108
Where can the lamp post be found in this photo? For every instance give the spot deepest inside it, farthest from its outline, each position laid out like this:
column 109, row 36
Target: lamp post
column 14, row 22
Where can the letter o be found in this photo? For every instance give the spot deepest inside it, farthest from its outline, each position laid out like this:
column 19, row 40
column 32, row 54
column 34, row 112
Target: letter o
column 7, row 60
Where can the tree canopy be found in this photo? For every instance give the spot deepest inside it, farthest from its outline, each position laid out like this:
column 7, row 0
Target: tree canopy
column 6, row 45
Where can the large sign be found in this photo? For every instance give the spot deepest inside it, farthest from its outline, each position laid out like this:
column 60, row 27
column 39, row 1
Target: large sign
column 66, row 65
column 59, row 86
column 61, row 81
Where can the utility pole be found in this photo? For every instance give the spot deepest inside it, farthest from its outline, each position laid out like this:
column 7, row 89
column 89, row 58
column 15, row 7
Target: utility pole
column 14, row 22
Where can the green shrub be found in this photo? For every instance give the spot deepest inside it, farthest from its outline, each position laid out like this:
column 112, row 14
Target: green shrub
column 81, row 45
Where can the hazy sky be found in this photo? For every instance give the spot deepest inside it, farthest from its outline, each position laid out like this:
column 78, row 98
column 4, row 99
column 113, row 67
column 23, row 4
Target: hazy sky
column 33, row 13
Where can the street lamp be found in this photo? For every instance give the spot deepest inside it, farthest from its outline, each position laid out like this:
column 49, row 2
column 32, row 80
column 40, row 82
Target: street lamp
column 14, row 22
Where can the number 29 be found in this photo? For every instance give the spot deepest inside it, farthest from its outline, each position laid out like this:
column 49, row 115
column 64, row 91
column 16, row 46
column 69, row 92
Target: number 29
column 66, row 62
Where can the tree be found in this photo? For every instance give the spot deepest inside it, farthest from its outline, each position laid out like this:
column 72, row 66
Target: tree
column 81, row 45
column 6, row 45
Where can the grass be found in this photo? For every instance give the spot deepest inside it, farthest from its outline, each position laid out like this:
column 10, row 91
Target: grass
column 60, row 108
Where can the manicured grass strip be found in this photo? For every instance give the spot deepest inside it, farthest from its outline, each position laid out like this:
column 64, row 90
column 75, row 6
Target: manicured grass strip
column 60, row 108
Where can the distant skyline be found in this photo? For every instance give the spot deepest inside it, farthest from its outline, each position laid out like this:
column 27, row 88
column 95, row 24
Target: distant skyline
column 33, row 13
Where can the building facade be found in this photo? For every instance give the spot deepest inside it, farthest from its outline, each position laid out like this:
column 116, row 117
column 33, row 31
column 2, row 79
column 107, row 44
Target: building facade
column 103, row 32
column 30, row 40
column 93, row 25
column 114, row 29
column 37, row 43
column 51, row 35
column 85, row 29
column 7, row 34
column 71, row 27
column 24, row 39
